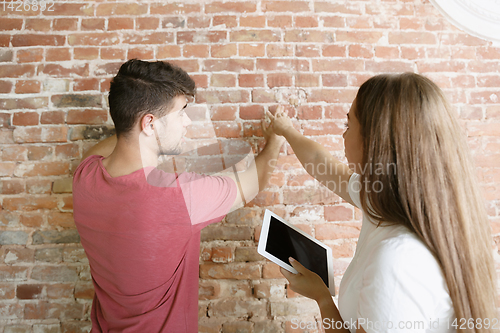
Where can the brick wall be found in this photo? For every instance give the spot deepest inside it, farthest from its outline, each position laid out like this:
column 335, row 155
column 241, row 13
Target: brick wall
column 246, row 56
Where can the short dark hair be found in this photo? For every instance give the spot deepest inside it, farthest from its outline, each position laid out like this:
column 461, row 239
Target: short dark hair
column 142, row 87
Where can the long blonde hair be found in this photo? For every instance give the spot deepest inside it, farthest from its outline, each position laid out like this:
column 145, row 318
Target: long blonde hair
column 406, row 121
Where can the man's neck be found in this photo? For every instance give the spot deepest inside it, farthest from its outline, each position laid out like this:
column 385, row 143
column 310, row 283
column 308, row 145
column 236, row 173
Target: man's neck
column 127, row 157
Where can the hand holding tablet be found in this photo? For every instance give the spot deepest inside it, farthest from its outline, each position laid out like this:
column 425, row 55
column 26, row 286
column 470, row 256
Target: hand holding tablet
column 280, row 240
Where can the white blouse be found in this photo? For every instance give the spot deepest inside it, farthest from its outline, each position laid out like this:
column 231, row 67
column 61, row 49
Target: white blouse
column 394, row 283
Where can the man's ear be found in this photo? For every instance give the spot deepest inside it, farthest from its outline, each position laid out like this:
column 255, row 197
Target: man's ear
column 147, row 125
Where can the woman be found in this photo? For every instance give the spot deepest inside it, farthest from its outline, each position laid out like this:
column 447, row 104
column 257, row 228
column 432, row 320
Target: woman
column 424, row 256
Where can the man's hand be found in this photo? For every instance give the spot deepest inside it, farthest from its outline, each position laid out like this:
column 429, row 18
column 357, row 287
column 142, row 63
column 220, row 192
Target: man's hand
column 270, row 134
column 306, row 282
column 280, row 122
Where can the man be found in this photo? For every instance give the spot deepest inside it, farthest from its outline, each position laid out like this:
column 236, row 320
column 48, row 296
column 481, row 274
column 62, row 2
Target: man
column 139, row 226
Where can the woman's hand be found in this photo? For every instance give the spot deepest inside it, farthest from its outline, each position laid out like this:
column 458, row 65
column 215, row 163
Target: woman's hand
column 280, row 121
column 306, row 282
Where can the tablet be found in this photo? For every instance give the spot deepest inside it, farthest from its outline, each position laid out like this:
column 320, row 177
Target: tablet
column 280, row 240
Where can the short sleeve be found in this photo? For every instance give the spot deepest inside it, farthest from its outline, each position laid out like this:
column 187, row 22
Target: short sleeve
column 401, row 286
column 208, row 198
column 354, row 189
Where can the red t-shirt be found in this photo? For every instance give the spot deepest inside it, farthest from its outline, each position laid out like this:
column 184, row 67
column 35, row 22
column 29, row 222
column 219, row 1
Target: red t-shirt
column 142, row 238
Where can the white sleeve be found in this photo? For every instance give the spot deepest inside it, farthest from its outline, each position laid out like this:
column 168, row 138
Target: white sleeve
column 399, row 287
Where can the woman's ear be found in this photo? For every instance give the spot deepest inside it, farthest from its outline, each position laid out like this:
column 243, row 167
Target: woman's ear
column 147, row 125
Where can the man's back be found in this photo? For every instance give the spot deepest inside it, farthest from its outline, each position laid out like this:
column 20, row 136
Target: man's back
column 143, row 245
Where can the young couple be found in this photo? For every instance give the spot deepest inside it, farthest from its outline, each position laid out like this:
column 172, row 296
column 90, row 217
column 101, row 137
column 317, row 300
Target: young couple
column 424, row 251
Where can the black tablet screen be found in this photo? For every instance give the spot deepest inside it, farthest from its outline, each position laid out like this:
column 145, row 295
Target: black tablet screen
column 284, row 242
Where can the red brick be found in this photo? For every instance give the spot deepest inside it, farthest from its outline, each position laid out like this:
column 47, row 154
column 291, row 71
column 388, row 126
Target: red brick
column 388, row 66
column 332, row 95
column 308, row 36
column 412, row 38
column 40, row 134
column 93, row 39
column 31, row 220
column 251, row 112
column 309, row 112
column 488, row 52
column 17, row 70
column 271, row 271
column 14, row 153
column 306, row 21
column 143, row 53
column 88, row 116
column 86, row 84
column 29, row 204
column 255, row 36
column 360, row 22
column 4, row 40
column 56, row 70
column 228, row 21
column 37, row 24
column 177, row 8
column 336, row 65
column 334, row 51
column 84, row 290
column 63, row 220
column 67, row 151
column 231, row 65
column 58, row 54
column 25, row 118
column 227, row 129
column 52, row 117
column 195, row 51
column 8, row 290
column 285, row 6
column 308, row 51
column 306, row 80
column 387, row 52
column 334, row 22
column 412, row 52
column 37, row 40
column 253, row 21
column 168, row 51
column 251, row 80
column 282, row 65
column 336, row 8
column 5, row 87
column 36, row 153
column 120, row 23
column 251, row 50
column 223, row 80
column 113, row 9
column 113, row 53
column 337, row 231
column 222, row 255
column 239, row 7
column 93, row 24
column 147, row 23
column 23, row 103
column 12, row 186
column 184, row 37
column 189, row 66
column 238, row 271
column 223, row 112
column 10, row 24
column 279, row 21
column 196, row 22
column 27, row 86
column 360, row 51
column 279, row 50
column 69, row 24
column 223, row 51
column 29, row 291
column 334, row 80
column 201, row 81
